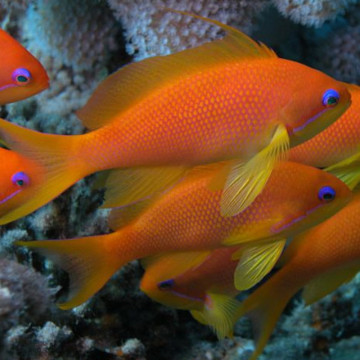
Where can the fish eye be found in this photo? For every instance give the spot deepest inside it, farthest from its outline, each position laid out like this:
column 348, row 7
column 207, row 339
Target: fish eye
column 21, row 76
column 326, row 193
column 167, row 284
column 330, row 98
column 20, row 179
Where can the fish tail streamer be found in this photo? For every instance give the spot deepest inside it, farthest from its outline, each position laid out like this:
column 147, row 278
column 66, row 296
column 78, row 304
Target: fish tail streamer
column 89, row 261
column 54, row 155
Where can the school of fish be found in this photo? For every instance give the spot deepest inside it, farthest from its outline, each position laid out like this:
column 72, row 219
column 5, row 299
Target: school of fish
column 216, row 158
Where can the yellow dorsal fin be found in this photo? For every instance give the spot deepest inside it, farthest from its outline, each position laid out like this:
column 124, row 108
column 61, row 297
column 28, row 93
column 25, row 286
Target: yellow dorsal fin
column 347, row 170
column 328, row 282
column 218, row 313
column 130, row 84
column 256, row 262
column 174, row 264
column 128, row 186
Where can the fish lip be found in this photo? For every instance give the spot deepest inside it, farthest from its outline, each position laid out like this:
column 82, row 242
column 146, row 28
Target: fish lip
column 10, row 196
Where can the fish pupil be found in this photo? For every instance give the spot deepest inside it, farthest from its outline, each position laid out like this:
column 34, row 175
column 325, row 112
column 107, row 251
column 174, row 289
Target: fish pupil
column 22, row 79
column 20, row 182
column 332, row 100
column 167, row 284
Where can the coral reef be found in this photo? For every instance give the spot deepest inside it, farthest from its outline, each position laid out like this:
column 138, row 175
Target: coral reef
column 77, row 49
column 151, row 30
column 312, row 12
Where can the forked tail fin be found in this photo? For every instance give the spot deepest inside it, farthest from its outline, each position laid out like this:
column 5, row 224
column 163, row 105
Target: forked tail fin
column 56, row 167
column 89, row 261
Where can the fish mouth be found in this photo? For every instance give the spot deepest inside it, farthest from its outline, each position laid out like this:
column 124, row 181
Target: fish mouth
column 7, row 198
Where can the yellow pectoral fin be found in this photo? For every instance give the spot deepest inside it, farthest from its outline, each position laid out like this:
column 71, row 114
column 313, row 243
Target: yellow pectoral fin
column 246, row 180
column 218, row 313
column 347, row 170
column 125, row 187
column 255, row 262
column 328, row 282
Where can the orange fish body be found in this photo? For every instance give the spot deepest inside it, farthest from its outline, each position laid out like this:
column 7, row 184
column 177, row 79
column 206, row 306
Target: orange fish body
column 206, row 290
column 318, row 261
column 337, row 142
column 188, row 218
column 228, row 99
column 21, row 74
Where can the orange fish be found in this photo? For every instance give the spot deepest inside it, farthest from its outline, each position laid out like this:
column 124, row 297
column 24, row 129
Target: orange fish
column 229, row 99
column 207, row 290
column 318, row 261
column 188, row 218
column 21, row 74
column 336, row 143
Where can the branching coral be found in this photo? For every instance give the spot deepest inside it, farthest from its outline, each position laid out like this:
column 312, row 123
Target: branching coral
column 23, row 293
column 80, row 33
column 152, row 30
column 312, row 12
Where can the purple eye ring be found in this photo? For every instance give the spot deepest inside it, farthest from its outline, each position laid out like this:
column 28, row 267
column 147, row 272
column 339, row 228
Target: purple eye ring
column 330, row 98
column 327, row 194
column 20, row 179
column 21, row 77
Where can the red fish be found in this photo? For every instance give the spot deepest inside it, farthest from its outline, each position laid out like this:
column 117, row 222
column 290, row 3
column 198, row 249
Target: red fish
column 231, row 99
column 21, row 74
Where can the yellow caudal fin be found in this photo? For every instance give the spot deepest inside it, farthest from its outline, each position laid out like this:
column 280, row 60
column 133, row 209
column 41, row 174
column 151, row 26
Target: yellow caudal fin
column 328, row 282
column 255, row 262
column 88, row 261
column 264, row 307
column 125, row 187
column 247, row 180
column 55, row 166
column 218, row 313
column 130, row 84
column 347, row 170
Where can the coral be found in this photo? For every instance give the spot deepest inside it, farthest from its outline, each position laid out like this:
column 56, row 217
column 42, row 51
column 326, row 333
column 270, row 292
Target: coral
column 151, row 30
column 80, row 33
column 23, row 294
column 312, row 12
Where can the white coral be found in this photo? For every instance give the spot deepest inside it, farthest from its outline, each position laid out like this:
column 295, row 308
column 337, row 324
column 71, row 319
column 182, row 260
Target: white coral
column 312, row 12
column 152, row 30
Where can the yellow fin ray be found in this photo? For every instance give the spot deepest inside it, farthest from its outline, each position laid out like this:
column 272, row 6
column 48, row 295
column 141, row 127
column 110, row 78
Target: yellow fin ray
column 247, row 180
column 326, row 283
column 347, row 170
column 125, row 187
column 129, row 85
column 86, row 260
column 218, row 313
column 256, row 262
